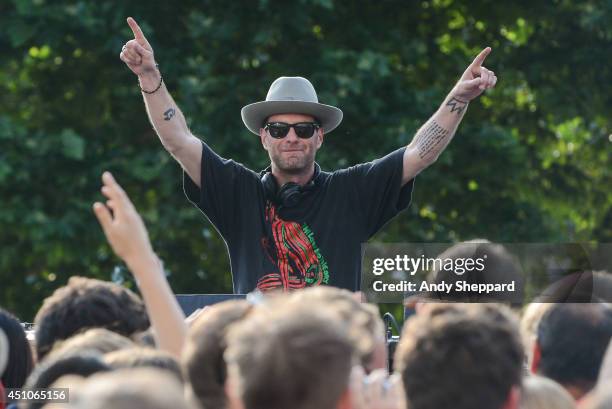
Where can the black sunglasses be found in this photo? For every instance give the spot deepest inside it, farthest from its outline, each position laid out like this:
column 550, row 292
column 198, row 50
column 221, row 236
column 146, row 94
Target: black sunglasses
column 303, row 130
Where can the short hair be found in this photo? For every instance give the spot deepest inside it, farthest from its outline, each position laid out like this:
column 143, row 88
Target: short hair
column 98, row 340
column 543, row 393
column 202, row 357
column 88, row 303
column 499, row 267
column 139, row 357
column 137, row 388
column 50, row 370
column 20, row 361
column 290, row 357
column 573, row 339
column 365, row 327
column 446, row 349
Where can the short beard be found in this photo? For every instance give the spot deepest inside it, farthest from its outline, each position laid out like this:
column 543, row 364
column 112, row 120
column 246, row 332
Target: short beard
column 293, row 167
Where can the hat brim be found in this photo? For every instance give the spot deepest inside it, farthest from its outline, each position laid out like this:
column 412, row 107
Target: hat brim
column 253, row 115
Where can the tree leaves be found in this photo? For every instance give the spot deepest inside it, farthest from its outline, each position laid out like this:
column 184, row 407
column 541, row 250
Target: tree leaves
column 70, row 109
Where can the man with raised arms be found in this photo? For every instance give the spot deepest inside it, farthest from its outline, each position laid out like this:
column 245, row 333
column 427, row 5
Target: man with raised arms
column 293, row 224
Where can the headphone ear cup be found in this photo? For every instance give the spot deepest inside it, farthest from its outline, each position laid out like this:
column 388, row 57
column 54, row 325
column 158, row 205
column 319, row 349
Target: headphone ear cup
column 270, row 186
column 290, row 194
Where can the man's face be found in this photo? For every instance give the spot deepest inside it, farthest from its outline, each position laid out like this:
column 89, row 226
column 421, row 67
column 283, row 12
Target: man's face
column 291, row 154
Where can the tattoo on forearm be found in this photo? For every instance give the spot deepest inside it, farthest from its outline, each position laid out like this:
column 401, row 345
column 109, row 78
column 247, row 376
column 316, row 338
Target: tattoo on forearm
column 456, row 105
column 169, row 113
column 431, row 139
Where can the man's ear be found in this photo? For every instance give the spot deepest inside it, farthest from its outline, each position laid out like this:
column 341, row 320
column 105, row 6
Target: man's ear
column 233, row 400
column 262, row 137
column 345, row 400
column 513, row 400
column 536, row 357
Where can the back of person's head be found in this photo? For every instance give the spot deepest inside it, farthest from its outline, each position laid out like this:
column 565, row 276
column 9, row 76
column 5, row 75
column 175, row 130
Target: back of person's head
column 20, row 362
column 202, row 359
column 365, row 327
column 478, row 261
column 98, row 340
column 139, row 357
column 289, row 356
column 543, row 393
column 50, row 370
column 87, row 303
column 571, row 343
column 461, row 356
column 136, row 388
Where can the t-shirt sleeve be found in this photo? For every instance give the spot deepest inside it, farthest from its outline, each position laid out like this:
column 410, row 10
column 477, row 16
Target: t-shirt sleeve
column 380, row 195
column 224, row 183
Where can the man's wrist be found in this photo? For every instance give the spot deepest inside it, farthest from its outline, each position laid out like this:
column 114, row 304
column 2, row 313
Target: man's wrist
column 455, row 103
column 456, row 96
column 145, row 261
column 149, row 79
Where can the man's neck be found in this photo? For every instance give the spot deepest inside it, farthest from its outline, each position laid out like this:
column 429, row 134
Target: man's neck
column 301, row 178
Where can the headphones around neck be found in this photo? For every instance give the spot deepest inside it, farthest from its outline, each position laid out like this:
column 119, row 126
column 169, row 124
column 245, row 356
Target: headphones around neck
column 289, row 194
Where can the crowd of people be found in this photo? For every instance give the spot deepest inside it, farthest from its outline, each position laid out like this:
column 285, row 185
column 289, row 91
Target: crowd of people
column 295, row 227
column 318, row 348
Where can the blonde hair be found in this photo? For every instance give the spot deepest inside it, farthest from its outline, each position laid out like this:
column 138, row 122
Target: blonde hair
column 364, row 325
column 139, row 388
column 295, row 356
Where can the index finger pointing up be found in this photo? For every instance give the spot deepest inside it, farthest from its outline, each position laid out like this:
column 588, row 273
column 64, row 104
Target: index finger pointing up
column 115, row 191
column 138, row 35
column 481, row 57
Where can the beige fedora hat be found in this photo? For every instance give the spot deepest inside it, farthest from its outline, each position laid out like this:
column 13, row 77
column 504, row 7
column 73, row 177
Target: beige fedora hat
column 290, row 95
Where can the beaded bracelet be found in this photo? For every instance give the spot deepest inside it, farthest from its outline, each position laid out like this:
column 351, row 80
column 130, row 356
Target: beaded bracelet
column 161, row 81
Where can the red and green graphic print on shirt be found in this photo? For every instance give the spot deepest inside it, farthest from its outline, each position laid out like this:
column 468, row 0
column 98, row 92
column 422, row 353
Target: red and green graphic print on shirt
column 293, row 250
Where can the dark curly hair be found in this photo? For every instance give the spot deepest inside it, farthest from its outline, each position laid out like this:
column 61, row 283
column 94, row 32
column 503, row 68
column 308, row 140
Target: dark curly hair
column 573, row 339
column 88, row 303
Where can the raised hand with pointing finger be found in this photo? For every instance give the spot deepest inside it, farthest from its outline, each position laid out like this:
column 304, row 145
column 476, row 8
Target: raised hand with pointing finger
column 164, row 114
column 137, row 54
column 476, row 79
column 433, row 137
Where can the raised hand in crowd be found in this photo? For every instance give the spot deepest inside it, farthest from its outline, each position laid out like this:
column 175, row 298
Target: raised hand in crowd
column 127, row 235
column 124, row 229
column 377, row 390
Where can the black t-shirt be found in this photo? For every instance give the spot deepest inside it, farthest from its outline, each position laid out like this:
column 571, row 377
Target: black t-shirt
column 316, row 242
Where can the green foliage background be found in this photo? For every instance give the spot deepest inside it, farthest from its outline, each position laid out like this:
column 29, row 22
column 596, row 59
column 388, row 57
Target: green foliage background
column 531, row 161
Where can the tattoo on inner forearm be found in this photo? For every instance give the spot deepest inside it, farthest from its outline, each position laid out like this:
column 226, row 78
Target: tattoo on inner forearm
column 169, row 113
column 457, row 105
column 431, row 139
